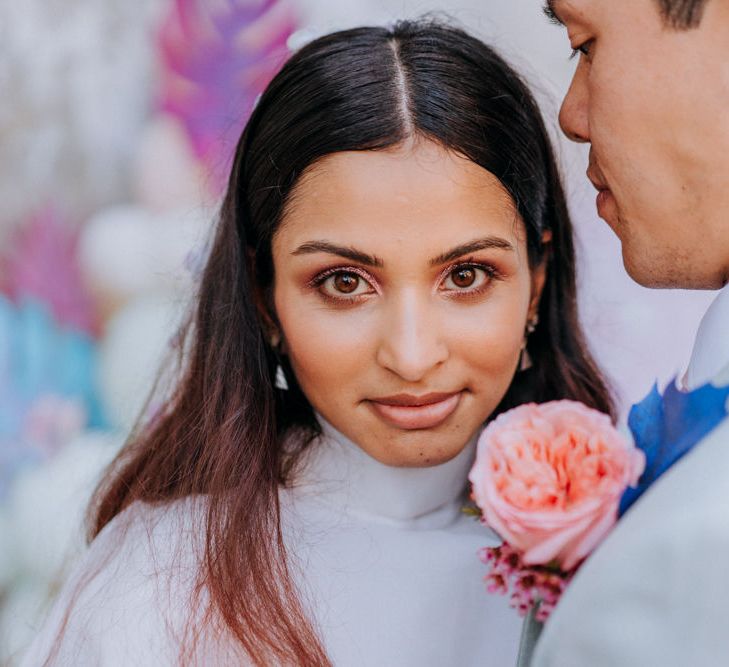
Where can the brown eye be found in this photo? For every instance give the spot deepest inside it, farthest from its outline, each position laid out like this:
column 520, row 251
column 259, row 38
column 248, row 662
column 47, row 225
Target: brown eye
column 464, row 277
column 467, row 278
column 346, row 283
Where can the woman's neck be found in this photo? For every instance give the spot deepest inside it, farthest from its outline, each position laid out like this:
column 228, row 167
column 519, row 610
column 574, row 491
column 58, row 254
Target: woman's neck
column 336, row 471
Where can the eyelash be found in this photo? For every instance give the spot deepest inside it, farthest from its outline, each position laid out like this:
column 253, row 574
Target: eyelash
column 490, row 271
column 582, row 49
column 321, row 278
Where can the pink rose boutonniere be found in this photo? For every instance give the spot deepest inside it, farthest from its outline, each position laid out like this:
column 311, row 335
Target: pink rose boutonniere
column 548, row 480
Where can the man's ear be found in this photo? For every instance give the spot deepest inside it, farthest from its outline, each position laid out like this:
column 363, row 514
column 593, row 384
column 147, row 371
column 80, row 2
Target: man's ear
column 539, row 274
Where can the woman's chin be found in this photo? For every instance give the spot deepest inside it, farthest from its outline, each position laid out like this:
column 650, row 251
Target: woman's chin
column 416, row 449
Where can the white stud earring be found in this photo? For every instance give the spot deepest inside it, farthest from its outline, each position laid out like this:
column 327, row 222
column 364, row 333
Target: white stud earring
column 525, row 359
column 281, row 382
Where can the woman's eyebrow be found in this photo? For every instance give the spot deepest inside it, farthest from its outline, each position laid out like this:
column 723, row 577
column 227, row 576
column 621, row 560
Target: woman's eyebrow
column 343, row 251
column 472, row 246
column 490, row 242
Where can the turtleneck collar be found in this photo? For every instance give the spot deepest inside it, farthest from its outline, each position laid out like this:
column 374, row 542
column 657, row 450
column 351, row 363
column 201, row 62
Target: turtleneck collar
column 336, row 471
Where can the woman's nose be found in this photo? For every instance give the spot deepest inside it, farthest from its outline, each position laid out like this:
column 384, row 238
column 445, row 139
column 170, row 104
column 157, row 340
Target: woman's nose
column 412, row 339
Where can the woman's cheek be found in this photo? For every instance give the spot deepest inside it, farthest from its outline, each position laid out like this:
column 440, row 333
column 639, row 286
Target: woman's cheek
column 490, row 336
column 326, row 347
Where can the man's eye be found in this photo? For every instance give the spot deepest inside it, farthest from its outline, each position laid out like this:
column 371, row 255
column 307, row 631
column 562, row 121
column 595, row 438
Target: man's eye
column 583, row 49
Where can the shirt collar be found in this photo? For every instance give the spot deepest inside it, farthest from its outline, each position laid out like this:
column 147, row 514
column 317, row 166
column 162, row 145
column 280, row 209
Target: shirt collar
column 711, row 349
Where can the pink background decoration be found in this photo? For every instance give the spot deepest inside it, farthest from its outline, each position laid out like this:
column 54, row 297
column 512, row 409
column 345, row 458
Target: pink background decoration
column 40, row 262
column 216, row 59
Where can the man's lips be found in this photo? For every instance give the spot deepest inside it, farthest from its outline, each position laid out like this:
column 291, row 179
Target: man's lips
column 604, row 199
column 411, row 412
column 597, row 182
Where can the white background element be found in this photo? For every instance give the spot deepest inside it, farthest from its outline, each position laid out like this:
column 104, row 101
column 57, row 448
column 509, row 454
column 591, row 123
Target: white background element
column 74, row 84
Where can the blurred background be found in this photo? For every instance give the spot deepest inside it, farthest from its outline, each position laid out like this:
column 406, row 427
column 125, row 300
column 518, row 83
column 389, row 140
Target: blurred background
column 116, row 126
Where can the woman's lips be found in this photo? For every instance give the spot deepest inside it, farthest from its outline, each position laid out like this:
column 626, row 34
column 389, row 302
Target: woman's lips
column 413, row 412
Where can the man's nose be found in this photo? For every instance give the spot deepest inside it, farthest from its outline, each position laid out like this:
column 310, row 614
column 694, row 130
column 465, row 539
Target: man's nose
column 573, row 116
column 412, row 341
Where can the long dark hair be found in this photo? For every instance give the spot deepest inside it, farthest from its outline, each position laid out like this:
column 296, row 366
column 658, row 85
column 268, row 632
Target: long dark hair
column 221, row 431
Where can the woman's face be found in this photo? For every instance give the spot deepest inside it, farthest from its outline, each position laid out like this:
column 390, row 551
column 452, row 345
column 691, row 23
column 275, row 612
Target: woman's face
column 402, row 288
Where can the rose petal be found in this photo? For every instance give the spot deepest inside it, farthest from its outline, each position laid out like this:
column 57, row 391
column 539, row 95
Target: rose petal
column 548, row 478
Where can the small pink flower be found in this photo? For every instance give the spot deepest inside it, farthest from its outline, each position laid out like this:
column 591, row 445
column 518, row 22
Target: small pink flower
column 496, row 583
column 529, row 586
column 548, row 479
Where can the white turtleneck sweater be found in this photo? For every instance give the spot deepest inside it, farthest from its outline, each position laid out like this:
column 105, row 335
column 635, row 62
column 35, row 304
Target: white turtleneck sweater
column 384, row 559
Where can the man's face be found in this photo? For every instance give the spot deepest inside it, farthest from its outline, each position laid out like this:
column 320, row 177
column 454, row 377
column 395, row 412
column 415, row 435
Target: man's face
column 653, row 102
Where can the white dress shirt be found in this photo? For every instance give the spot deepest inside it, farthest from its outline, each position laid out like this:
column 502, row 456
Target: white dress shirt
column 385, row 561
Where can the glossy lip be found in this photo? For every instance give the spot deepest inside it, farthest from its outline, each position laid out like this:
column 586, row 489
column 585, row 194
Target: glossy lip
column 409, row 412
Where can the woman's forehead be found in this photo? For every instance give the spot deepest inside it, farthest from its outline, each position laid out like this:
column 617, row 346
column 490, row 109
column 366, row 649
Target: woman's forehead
column 422, row 194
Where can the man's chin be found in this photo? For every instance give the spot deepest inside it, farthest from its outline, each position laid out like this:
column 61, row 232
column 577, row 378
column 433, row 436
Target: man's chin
column 657, row 273
column 641, row 269
column 650, row 280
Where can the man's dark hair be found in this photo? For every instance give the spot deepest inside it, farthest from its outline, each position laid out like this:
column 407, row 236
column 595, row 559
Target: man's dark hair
column 682, row 14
